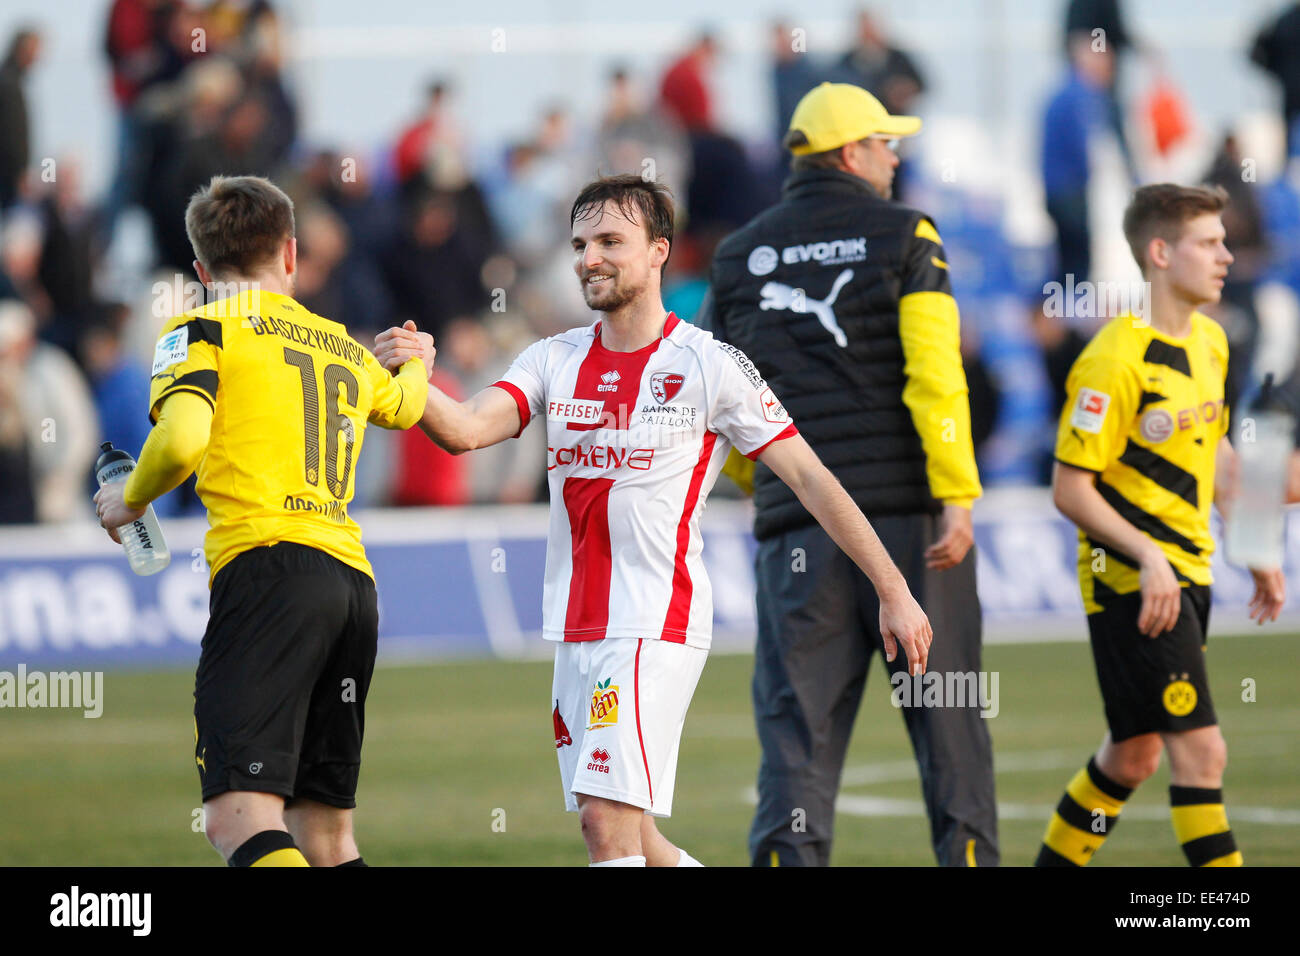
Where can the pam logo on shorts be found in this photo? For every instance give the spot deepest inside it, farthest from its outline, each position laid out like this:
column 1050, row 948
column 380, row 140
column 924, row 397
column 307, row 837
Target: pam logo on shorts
column 604, row 705
column 599, row 760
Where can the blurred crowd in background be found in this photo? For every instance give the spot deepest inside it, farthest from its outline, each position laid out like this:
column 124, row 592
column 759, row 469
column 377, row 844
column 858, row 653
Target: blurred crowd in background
column 476, row 252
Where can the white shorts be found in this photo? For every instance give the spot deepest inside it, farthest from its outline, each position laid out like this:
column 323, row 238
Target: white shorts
column 619, row 705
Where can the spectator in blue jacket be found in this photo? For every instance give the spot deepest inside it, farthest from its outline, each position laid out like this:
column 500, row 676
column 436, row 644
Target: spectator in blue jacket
column 1076, row 114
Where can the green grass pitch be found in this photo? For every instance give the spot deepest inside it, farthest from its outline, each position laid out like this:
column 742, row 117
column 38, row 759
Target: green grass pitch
column 460, row 768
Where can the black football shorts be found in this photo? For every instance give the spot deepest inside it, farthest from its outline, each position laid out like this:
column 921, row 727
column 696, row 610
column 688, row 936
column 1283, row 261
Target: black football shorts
column 1152, row 684
column 285, row 666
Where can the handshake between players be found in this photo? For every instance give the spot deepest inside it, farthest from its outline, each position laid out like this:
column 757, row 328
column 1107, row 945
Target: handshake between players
column 395, row 347
column 906, row 624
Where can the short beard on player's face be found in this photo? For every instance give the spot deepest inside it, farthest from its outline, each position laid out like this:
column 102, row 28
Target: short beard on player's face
column 610, row 299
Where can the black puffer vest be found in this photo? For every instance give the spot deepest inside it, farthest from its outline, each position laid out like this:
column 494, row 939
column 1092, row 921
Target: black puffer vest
column 826, row 263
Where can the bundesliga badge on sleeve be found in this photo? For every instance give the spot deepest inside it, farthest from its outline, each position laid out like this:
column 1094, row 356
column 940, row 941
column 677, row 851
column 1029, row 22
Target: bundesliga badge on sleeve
column 1090, row 410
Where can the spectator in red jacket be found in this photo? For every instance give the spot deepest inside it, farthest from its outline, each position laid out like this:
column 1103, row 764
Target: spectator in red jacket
column 685, row 89
column 140, row 55
column 427, row 475
column 434, row 129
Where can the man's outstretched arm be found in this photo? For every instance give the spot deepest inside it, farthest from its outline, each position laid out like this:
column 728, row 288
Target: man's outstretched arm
column 174, row 448
column 901, row 618
column 489, row 417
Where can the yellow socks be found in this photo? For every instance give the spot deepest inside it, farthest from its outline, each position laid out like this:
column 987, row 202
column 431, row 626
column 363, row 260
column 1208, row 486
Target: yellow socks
column 268, row 848
column 1201, row 825
column 1083, row 819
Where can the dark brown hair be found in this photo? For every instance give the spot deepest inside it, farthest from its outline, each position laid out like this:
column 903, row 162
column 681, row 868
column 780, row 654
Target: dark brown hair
column 827, row 159
column 237, row 224
column 646, row 200
column 1162, row 209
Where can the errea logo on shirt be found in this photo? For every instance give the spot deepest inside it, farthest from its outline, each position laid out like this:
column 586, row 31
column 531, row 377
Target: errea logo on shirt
column 1090, row 410
column 609, row 382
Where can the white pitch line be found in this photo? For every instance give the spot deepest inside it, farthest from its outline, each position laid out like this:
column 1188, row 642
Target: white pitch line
column 882, row 807
column 900, row 770
column 897, row 770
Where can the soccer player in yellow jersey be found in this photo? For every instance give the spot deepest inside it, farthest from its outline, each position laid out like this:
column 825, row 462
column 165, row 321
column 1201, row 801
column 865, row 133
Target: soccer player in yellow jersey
column 1142, row 437
column 270, row 403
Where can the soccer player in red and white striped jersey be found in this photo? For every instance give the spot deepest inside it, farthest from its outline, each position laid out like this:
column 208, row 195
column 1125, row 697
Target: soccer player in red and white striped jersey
column 641, row 410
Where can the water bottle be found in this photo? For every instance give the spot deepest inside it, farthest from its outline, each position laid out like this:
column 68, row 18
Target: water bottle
column 142, row 539
column 1256, row 522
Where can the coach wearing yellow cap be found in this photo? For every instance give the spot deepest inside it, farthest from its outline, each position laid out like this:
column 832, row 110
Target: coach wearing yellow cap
column 841, row 297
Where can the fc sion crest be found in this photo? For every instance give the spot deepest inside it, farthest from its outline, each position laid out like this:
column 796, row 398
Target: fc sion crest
column 664, row 386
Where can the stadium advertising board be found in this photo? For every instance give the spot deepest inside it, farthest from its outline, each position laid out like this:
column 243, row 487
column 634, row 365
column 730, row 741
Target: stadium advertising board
column 468, row 583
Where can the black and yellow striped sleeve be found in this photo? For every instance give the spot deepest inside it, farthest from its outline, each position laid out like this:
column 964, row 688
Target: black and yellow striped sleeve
column 936, row 392
column 186, row 359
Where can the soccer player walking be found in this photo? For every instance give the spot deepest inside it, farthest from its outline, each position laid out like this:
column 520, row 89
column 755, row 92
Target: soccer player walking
column 641, row 410
column 1142, row 438
column 270, row 403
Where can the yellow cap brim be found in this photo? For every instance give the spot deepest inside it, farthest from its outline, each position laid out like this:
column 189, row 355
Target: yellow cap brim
column 899, row 126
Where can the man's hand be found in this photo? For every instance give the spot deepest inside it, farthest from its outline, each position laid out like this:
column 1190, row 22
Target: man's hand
column 901, row 618
column 903, row 621
column 955, row 539
column 395, row 347
column 1270, row 594
column 112, row 510
column 1161, row 596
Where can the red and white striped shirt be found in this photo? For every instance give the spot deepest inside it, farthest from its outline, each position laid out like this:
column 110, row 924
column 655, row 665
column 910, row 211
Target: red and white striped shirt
column 635, row 442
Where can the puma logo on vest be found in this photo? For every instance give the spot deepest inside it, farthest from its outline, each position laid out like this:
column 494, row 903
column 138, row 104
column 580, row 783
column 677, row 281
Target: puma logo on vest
column 778, row 295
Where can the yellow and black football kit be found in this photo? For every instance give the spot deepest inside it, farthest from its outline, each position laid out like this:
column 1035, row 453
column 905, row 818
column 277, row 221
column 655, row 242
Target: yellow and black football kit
column 282, row 397
column 1145, row 412
column 291, row 394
